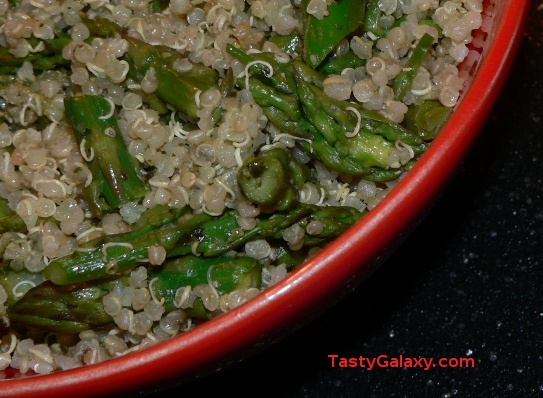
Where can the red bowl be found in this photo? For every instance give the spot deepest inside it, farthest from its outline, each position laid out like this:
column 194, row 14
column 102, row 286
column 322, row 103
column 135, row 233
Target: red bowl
column 323, row 280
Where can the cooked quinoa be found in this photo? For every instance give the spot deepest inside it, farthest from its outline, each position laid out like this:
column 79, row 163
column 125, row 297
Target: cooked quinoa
column 44, row 170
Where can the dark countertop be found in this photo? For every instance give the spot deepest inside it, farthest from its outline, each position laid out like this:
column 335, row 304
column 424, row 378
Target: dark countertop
column 467, row 283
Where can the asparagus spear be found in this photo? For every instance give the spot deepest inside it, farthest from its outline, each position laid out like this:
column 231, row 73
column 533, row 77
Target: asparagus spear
column 322, row 35
column 404, row 80
column 226, row 273
column 335, row 65
column 372, row 21
column 218, row 236
column 69, row 309
column 267, row 96
column 427, row 119
column 179, row 89
column 118, row 253
column 272, row 179
column 335, row 140
column 77, row 307
column 343, row 117
column 335, row 222
column 267, row 69
column 49, row 58
column 290, row 44
column 17, row 283
column 116, row 175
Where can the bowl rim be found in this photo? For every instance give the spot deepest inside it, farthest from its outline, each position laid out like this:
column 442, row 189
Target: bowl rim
column 272, row 312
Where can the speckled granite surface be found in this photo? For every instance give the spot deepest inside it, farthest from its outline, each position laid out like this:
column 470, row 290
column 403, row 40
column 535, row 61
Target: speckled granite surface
column 467, row 283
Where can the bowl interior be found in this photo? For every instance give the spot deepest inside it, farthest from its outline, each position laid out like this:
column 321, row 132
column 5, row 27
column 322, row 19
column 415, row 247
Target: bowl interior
column 332, row 273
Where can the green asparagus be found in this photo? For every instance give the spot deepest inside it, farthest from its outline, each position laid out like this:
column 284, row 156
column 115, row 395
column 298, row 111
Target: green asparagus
column 322, row 35
column 116, row 176
column 78, row 307
column 273, row 179
column 226, row 274
column 427, row 119
column 335, row 65
column 213, row 236
column 372, row 23
column 403, row 82
column 119, row 253
column 178, row 89
column 49, row 58
column 344, row 136
column 215, row 240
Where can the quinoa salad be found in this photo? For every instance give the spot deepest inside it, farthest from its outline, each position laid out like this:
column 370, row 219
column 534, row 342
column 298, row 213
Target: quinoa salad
column 162, row 162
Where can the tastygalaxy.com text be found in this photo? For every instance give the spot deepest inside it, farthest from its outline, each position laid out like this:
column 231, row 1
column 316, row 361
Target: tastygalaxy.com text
column 400, row 361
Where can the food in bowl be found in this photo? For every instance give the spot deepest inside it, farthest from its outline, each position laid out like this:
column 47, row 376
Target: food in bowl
column 164, row 162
